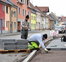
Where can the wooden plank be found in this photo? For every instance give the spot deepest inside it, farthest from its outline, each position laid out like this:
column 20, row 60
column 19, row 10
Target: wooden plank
column 14, row 51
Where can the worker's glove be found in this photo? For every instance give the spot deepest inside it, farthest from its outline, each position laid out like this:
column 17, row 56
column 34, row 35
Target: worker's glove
column 46, row 50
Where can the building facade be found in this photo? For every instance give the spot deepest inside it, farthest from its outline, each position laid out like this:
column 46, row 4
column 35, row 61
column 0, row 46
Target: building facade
column 23, row 10
column 44, row 20
column 2, row 17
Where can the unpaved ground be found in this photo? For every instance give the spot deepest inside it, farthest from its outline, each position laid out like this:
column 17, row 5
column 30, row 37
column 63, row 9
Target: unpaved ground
column 12, row 57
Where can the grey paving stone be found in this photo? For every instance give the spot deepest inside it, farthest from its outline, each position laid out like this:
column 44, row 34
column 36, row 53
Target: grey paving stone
column 22, row 41
column 22, row 46
column 8, row 40
column 9, row 44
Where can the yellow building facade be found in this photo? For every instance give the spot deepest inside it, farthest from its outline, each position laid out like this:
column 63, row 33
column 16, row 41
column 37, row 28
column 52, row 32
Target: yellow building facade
column 33, row 21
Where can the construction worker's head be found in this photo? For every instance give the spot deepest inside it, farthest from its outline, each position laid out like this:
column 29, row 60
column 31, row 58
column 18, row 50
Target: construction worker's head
column 44, row 36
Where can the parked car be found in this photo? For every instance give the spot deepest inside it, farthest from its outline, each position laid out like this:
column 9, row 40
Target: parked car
column 60, row 29
column 64, row 27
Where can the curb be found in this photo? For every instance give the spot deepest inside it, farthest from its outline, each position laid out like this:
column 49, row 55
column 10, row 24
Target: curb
column 30, row 56
column 9, row 34
column 17, row 33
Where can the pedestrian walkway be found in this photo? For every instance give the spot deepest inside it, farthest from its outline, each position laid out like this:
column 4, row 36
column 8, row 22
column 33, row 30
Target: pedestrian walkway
column 56, row 44
column 19, row 33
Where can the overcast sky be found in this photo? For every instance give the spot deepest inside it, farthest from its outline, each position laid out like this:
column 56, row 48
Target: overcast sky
column 56, row 6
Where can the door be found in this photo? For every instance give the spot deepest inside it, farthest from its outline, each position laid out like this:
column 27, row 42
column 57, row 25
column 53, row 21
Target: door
column 18, row 26
column 1, row 26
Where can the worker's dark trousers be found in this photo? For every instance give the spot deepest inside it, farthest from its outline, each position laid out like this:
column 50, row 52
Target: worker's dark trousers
column 24, row 34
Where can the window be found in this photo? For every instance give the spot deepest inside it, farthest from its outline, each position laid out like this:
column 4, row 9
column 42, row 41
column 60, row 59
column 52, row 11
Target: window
column 21, row 0
column 32, row 17
column 27, row 2
column 7, row 23
column 19, row 10
column 6, row 9
column 3, row 8
column 29, row 14
column 23, row 12
column 14, row 13
column 2, row 23
column 14, row 24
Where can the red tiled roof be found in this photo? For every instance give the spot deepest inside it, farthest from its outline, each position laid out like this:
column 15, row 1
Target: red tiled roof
column 37, row 8
column 44, row 9
column 63, row 18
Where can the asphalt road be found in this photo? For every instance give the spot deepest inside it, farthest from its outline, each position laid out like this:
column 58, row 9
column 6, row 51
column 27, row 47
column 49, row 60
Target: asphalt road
column 52, row 56
column 15, row 57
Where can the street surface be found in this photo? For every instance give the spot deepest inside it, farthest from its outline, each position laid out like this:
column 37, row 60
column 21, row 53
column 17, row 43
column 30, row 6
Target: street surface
column 52, row 56
column 57, row 44
column 15, row 57
column 12, row 57
column 57, row 52
column 19, row 36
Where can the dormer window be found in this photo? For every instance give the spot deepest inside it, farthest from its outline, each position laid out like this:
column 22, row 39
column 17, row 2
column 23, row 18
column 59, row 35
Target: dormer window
column 20, row 1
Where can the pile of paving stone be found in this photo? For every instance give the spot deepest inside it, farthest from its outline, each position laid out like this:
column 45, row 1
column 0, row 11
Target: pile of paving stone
column 11, row 44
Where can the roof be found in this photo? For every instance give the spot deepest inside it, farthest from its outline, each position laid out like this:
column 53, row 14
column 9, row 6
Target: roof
column 8, row 2
column 32, row 8
column 37, row 9
column 63, row 18
column 31, row 5
column 44, row 9
column 50, row 17
column 2, row 2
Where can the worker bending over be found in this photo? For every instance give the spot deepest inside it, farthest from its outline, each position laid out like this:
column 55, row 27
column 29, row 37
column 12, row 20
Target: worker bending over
column 37, row 39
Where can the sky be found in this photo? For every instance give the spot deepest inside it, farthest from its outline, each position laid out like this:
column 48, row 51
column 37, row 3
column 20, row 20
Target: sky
column 56, row 6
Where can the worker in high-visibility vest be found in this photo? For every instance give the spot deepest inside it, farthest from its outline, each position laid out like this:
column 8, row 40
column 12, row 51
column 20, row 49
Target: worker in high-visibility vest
column 37, row 39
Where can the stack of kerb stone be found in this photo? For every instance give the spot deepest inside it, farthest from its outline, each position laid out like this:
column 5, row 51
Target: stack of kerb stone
column 11, row 44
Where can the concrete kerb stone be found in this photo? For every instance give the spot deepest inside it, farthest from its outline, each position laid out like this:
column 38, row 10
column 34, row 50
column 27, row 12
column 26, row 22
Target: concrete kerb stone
column 9, row 34
column 11, row 44
column 32, row 54
column 17, row 33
